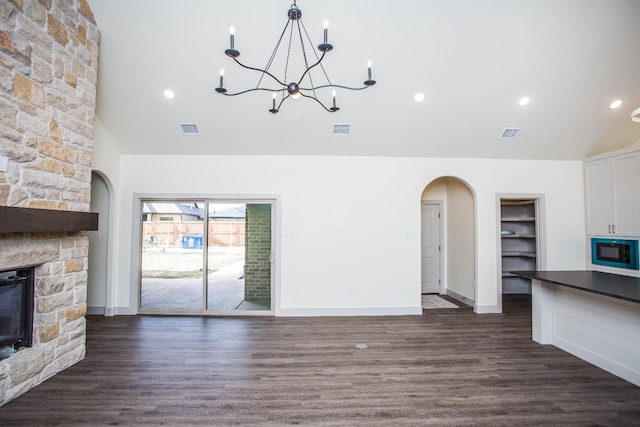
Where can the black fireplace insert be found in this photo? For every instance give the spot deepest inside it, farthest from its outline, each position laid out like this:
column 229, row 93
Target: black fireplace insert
column 16, row 308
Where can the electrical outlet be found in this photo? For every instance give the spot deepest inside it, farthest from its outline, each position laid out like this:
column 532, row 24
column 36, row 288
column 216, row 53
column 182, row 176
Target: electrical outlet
column 4, row 164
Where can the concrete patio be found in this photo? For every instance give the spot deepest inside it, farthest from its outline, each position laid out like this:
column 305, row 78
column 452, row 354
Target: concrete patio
column 225, row 292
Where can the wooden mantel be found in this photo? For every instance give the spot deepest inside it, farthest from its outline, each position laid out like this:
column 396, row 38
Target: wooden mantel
column 28, row 220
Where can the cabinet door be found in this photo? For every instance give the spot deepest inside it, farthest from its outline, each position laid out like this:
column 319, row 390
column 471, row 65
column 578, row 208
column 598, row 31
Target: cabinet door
column 626, row 194
column 597, row 176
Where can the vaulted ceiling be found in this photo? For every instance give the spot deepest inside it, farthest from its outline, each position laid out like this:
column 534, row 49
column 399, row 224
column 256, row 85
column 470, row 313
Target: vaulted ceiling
column 473, row 60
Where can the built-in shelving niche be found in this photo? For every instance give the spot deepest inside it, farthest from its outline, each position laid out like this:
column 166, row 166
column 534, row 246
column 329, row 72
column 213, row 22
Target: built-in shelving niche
column 518, row 243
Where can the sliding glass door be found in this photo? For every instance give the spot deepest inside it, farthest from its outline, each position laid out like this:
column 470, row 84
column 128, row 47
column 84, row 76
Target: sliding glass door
column 233, row 245
column 239, row 256
column 172, row 253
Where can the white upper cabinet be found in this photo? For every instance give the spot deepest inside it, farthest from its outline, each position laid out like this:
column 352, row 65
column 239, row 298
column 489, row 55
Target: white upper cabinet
column 613, row 194
column 599, row 197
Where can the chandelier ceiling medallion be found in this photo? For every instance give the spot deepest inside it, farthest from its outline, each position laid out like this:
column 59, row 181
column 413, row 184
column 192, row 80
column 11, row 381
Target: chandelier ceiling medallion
column 304, row 86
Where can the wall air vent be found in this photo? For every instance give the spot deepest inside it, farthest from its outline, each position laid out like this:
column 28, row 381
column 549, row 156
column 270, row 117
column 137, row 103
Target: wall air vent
column 189, row 129
column 341, row 129
column 510, row 133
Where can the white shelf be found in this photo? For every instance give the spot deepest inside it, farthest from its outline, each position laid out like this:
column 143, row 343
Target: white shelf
column 518, row 250
column 519, row 254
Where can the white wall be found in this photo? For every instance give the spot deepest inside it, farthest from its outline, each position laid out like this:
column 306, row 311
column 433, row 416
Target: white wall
column 98, row 247
column 106, row 157
column 355, row 221
column 461, row 245
column 106, row 162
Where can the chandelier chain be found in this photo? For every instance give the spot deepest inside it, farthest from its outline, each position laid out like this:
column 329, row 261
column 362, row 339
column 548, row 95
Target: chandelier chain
column 273, row 55
column 304, row 55
column 286, row 67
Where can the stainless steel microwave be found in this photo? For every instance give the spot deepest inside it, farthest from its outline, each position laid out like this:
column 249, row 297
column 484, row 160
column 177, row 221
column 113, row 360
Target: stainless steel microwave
column 615, row 253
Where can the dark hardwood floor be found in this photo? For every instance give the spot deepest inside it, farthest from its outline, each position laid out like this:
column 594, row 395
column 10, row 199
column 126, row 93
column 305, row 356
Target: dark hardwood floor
column 449, row 367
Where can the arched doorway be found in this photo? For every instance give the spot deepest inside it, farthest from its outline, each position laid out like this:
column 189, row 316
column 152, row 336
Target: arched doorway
column 457, row 225
column 98, row 272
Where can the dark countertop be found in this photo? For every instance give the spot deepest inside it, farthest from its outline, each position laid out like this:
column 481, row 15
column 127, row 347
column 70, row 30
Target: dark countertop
column 612, row 285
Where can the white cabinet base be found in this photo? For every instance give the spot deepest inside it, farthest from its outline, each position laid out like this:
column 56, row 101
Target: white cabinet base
column 601, row 330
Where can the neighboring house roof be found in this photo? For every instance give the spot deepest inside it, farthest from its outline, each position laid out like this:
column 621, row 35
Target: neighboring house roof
column 192, row 209
column 173, row 208
column 236, row 212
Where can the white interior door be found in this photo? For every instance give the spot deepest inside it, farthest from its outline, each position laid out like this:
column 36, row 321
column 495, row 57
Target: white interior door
column 431, row 248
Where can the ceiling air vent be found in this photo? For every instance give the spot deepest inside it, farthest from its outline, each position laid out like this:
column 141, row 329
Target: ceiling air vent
column 510, row 133
column 341, row 129
column 189, row 129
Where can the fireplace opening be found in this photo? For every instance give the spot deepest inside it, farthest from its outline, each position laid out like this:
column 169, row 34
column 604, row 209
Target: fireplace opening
column 16, row 310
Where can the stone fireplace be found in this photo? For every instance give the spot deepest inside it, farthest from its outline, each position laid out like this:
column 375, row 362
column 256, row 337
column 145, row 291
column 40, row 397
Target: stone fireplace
column 48, row 76
column 59, row 309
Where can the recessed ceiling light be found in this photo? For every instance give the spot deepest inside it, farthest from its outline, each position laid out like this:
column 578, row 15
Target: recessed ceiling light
column 168, row 93
column 419, row 97
column 635, row 116
column 523, row 101
column 615, row 104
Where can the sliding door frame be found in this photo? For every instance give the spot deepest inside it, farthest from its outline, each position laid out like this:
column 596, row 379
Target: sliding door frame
column 206, row 198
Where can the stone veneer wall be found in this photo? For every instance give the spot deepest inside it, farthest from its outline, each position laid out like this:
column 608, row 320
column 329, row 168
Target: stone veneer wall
column 48, row 75
column 257, row 274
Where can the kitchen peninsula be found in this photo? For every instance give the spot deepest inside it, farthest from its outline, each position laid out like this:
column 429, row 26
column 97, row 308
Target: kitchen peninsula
column 592, row 315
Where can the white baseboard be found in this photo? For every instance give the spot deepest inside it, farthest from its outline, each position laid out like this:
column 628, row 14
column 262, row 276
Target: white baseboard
column 460, row 297
column 486, row 309
column 307, row 312
column 120, row 311
column 349, row 311
column 629, row 373
column 95, row 310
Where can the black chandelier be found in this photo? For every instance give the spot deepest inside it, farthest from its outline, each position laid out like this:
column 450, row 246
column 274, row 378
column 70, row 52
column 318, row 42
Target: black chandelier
column 304, row 86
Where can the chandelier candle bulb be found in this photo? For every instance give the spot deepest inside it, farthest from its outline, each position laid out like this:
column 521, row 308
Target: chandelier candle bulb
column 326, row 30
column 273, row 109
column 232, row 33
column 221, row 76
column 370, row 81
column 334, row 99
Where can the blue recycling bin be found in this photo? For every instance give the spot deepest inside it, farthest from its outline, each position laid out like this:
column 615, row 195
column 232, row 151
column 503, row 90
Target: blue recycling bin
column 191, row 242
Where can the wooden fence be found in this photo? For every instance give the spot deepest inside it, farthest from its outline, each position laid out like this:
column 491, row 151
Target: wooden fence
column 174, row 234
